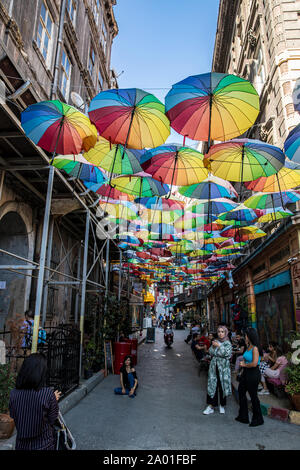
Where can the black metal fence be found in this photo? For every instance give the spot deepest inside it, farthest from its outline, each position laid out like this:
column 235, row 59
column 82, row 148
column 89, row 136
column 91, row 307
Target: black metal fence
column 62, row 350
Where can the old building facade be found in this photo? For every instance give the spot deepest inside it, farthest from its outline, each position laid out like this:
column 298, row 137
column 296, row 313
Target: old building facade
column 49, row 49
column 259, row 40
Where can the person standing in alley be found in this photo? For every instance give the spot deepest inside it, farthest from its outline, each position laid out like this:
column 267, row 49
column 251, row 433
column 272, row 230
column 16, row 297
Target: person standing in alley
column 219, row 373
column 249, row 380
column 33, row 406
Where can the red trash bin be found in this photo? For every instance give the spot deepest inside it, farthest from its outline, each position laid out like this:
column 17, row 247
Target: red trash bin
column 121, row 350
column 134, row 348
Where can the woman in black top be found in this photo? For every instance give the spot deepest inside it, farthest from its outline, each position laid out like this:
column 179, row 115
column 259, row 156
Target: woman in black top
column 128, row 379
column 33, row 406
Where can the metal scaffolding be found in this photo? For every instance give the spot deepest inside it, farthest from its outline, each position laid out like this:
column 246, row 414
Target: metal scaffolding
column 42, row 271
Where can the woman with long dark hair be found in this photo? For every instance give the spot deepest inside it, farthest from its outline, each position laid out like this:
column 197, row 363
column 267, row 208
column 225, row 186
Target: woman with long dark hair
column 250, row 379
column 128, row 379
column 33, row 406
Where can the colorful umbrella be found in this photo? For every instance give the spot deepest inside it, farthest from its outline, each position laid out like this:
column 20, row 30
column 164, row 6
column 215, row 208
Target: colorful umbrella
column 211, row 188
column 272, row 200
column 212, row 106
column 244, row 159
column 140, row 185
column 80, row 168
column 160, row 203
column 174, row 165
column 292, row 145
column 108, row 193
column 57, row 127
column 244, row 237
column 114, row 157
column 271, row 216
column 131, row 117
column 241, row 213
column 128, row 237
column 120, row 211
column 190, row 221
column 288, row 177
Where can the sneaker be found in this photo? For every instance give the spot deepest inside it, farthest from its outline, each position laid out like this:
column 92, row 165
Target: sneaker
column 208, row 410
column 222, row 410
column 264, row 392
column 260, row 388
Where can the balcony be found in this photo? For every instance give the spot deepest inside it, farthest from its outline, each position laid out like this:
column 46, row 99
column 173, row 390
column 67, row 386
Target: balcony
column 191, row 296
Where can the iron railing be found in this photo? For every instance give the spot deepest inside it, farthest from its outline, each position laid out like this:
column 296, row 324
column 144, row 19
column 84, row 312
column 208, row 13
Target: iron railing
column 62, row 350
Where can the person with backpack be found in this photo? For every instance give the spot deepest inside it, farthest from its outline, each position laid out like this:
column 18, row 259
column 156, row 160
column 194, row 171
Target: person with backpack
column 28, row 331
column 27, row 327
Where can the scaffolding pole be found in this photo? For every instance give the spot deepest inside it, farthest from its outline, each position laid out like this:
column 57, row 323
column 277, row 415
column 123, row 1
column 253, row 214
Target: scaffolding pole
column 83, row 285
column 40, row 282
column 47, row 273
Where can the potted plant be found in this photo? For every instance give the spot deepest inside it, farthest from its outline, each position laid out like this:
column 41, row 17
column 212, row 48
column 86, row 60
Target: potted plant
column 89, row 357
column 292, row 387
column 7, row 383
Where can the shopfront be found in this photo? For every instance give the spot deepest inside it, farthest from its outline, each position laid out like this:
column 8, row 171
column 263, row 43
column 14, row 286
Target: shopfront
column 275, row 309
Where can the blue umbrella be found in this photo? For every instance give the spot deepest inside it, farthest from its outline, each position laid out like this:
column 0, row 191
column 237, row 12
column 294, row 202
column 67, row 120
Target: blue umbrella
column 292, row 145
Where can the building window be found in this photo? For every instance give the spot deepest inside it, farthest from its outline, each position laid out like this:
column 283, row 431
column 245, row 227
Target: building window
column 72, row 8
column 65, row 75
column 100, row 81
column 290, row 109
column 45, row 33
column 91, row 61
column 287, row 89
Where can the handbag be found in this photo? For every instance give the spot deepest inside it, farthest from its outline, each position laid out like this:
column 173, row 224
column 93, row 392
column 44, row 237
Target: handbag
column 64, row 437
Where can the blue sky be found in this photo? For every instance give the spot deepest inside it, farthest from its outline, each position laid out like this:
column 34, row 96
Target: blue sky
column 161, row 42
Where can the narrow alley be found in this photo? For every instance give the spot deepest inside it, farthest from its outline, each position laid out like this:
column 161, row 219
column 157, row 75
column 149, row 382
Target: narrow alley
column 167, row 411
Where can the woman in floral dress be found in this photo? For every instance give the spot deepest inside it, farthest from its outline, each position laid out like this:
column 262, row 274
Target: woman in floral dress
column 219, row 374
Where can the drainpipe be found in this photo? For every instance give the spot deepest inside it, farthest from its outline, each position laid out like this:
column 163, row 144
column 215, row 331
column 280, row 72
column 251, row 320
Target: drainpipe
column 58, row 48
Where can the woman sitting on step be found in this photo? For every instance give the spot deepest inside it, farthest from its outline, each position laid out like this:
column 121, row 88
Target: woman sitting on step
column 128, row 379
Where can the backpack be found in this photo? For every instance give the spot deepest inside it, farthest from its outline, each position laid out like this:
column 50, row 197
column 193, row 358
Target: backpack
column 28, row 334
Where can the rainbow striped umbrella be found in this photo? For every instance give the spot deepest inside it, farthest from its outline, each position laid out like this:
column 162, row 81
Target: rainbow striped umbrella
column 292, row 145
column 244, row 160
column 174, row 165
column 58, row 127
column 241, row 213
column 288, row 177
column 108, row 193
column 140, row 185
column 270, row 216
column 272, row 200
column 210, row 188
column 212, row 106
column 156, row 203
column 79, row 168
column 114, row 158
column 131, row 117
